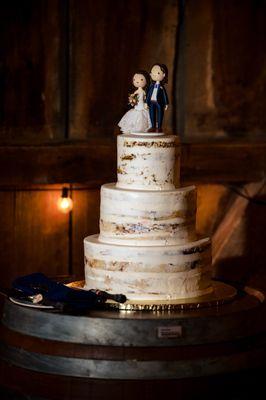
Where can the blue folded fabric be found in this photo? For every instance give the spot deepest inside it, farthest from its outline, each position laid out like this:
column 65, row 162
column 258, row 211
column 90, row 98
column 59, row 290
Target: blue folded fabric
column 58, row 294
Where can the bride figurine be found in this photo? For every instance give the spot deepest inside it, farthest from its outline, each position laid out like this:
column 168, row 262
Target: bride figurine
column 137, row 119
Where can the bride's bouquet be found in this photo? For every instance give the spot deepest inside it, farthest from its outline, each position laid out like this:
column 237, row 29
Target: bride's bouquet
column 133, row 99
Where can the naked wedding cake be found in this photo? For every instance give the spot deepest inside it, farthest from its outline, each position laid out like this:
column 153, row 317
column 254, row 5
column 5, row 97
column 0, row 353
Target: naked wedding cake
column 147, row 248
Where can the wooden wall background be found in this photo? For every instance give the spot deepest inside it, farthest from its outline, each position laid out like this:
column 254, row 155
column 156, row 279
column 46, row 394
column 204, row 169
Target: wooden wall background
column 65, row 70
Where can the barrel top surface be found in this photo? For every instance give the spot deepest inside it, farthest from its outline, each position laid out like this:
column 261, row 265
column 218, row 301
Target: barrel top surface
column 241, row 303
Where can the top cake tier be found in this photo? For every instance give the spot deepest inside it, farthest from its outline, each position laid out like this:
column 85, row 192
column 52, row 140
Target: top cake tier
column 147, row 162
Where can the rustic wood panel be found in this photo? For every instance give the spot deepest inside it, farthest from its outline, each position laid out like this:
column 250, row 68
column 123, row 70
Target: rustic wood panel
column 95, row 163
column 59, row 163
column 239, row 64
column 239, row 242
column 237, row 228
column 221, row 75
column 232, row 219
column 109, row 41
column 31, row 73
column 34, row 235
column 195, row 106
column 7, row 237
column 256, row 217
column 212, row 203
column 86, row 214
column 222, row 162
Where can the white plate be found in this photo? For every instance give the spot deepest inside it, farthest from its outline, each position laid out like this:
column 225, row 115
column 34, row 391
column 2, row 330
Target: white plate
column 26, row 303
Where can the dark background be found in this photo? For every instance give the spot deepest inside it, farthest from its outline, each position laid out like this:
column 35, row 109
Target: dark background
column 65, row 72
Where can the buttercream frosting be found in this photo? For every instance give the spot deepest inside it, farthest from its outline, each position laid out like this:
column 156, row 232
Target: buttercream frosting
column 147, row 162
column 147, row 248
column 138, row 217
column 152, row 272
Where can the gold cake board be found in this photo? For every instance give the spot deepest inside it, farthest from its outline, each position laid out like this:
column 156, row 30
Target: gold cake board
column 221, row 294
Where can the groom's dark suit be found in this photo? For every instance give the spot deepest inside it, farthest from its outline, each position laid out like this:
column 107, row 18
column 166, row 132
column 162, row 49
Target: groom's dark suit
column 156, row 107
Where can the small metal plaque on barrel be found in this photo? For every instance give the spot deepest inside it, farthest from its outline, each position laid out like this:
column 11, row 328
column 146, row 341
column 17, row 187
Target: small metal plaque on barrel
column 169, row 332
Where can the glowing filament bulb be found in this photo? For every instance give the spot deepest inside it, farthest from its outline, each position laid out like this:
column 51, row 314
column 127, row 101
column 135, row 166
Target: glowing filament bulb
column 65, row 203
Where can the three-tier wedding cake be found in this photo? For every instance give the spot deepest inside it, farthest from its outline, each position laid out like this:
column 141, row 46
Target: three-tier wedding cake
column 147, row 248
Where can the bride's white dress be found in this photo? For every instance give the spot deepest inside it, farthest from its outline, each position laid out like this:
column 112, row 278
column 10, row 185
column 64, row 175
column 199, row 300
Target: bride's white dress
column 137, row 119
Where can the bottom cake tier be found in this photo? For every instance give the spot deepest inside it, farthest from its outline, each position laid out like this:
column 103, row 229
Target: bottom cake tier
column 151, row 272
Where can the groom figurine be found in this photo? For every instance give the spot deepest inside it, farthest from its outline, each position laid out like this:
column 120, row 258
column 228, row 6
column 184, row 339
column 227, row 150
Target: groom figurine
column 157, row 99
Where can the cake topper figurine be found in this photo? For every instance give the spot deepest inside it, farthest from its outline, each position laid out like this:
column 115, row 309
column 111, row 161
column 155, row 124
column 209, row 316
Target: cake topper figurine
column 137, row 119
column 157, row 99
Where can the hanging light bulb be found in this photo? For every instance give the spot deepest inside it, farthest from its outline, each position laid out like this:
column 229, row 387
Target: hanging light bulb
column 65, row 203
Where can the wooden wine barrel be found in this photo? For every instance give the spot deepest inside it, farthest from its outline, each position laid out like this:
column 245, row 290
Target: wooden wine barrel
column 54, row 355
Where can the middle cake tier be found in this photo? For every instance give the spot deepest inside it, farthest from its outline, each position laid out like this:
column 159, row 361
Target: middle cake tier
column 147, row 218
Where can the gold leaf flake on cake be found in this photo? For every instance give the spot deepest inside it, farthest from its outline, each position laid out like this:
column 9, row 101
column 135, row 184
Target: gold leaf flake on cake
column 99, row 264
column 128, row 157
column 121, row 171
